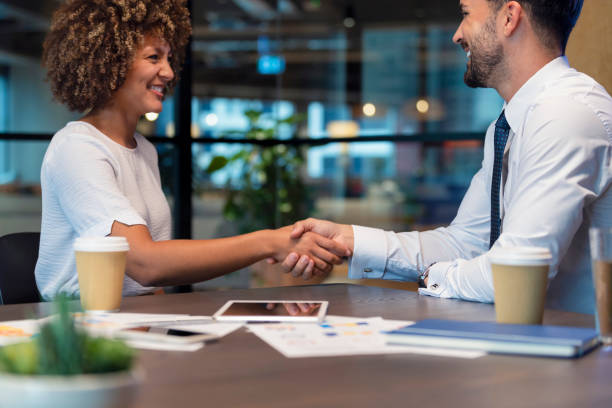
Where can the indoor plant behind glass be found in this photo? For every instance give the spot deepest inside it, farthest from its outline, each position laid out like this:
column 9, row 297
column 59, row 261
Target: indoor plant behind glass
column 266, row 188
column 64, row 367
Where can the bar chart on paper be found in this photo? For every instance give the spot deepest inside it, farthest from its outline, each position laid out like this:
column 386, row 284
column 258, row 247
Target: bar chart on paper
column 339, row 336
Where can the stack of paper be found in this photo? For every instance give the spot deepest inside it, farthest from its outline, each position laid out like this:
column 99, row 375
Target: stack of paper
column 341, row 336
column 107, row 324
column 17, row 331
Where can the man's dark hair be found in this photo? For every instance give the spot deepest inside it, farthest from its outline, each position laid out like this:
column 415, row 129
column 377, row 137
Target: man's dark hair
column 553, row 20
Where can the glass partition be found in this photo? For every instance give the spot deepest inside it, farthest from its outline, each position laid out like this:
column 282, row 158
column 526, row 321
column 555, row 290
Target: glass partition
column 20, row 194
column 354, row 111
column 410, row 80
column 394, row 186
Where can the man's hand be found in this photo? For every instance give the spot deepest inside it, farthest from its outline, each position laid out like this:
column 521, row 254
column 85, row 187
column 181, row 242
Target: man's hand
column 318, row 253
column 341, row 233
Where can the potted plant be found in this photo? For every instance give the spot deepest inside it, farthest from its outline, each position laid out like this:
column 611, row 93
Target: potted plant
column 266, row 190
column 62, row 366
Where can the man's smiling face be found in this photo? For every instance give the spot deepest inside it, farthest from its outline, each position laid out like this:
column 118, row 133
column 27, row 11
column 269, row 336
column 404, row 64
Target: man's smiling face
column 477, row 35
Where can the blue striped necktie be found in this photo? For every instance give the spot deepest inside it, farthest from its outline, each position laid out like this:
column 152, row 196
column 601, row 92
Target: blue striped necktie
column 501, row 136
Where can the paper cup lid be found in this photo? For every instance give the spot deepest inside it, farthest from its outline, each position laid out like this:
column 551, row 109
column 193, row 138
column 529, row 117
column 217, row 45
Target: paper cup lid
column 520, row 256
column 101, row 244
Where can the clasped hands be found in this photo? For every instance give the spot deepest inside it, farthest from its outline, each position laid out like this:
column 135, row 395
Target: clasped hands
column 315, row 247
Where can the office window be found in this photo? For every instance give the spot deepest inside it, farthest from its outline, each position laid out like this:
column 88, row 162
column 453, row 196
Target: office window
column 20, row 201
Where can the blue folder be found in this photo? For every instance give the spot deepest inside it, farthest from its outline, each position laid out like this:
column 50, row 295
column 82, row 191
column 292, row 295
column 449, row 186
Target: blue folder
column 556, row 341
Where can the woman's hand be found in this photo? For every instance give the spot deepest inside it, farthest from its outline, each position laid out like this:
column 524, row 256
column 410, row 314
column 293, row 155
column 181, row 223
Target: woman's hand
column 340, row 233
column 315, row 254
column 297, row 309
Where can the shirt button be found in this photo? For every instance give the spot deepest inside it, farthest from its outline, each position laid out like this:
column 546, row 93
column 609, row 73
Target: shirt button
column 367, row 270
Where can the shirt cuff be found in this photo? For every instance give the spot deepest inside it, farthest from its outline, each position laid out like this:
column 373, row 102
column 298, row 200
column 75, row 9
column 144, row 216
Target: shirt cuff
column 369, row 253
column 437, row 284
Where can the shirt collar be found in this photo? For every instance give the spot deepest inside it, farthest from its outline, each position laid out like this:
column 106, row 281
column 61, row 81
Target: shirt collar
column 517, row 107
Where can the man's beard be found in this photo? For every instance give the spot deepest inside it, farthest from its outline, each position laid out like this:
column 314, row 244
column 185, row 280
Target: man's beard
column 486, row 56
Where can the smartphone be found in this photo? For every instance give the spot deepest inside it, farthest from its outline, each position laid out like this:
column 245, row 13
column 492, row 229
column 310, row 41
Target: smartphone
column 164, row 335
column 312, row 311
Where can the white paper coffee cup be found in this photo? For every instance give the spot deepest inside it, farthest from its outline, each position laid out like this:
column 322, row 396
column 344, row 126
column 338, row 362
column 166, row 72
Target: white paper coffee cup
column 520, row 256
column 100, row 265
column 520, row 278
column 101, row 244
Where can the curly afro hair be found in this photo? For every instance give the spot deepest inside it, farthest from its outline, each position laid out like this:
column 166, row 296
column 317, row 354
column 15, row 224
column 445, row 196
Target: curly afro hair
column 91, row 45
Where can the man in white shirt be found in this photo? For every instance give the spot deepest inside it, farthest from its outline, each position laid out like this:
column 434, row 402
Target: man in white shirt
column 550, row 183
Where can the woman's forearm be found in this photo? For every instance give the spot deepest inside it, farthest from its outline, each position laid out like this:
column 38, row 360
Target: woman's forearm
column 187, row 261
column 176, row 262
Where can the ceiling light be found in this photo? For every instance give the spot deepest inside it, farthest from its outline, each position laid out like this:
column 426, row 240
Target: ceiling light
column 422, row 106
column 211, row 119
column 349, row 22
column 369, row 109
column 343, row 128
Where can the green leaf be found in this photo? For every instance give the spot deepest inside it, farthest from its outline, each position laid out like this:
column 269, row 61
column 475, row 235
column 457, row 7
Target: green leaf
column 231, row 211
column 270, row 133
column 217, row 163
column 106, row 355
column 258, row 134
column 253, row 115
column 241, row 155
column 293, row 119
column 285, row 207
column 21, row 358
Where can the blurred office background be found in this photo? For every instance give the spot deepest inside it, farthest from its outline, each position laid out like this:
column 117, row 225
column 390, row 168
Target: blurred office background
column 348, row 110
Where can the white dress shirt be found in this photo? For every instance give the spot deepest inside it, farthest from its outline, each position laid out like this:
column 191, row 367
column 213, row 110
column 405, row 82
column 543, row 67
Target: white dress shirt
column 557, row 183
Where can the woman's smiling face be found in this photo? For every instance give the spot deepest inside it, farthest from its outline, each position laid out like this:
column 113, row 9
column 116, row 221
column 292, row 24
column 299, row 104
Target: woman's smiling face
column 145, row 84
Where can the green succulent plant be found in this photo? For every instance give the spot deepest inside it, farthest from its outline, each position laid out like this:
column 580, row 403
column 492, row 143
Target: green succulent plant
column 60, row 348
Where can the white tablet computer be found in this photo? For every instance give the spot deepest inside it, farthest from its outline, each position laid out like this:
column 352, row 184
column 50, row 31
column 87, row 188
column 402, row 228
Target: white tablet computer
column 312, row 311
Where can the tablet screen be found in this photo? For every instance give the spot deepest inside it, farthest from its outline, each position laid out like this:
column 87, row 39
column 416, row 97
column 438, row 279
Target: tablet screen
column 272, row 310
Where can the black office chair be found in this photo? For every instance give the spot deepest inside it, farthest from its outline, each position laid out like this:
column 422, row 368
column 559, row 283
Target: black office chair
column 18, row 255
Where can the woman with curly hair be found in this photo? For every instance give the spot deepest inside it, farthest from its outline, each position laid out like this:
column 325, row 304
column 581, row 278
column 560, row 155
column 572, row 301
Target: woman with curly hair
column 115, row 60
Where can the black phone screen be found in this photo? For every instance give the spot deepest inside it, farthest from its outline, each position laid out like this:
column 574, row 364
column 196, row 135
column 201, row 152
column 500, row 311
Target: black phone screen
column 164, row 330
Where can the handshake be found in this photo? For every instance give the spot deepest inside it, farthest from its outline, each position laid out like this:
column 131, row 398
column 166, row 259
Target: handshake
column 314, row 247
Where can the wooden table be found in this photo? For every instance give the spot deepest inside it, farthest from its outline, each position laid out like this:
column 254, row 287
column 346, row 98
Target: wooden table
column 242, row 371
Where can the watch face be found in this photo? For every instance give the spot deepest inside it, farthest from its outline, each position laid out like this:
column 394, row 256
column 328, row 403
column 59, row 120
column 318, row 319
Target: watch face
column 421, row 280
column 423, row 276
